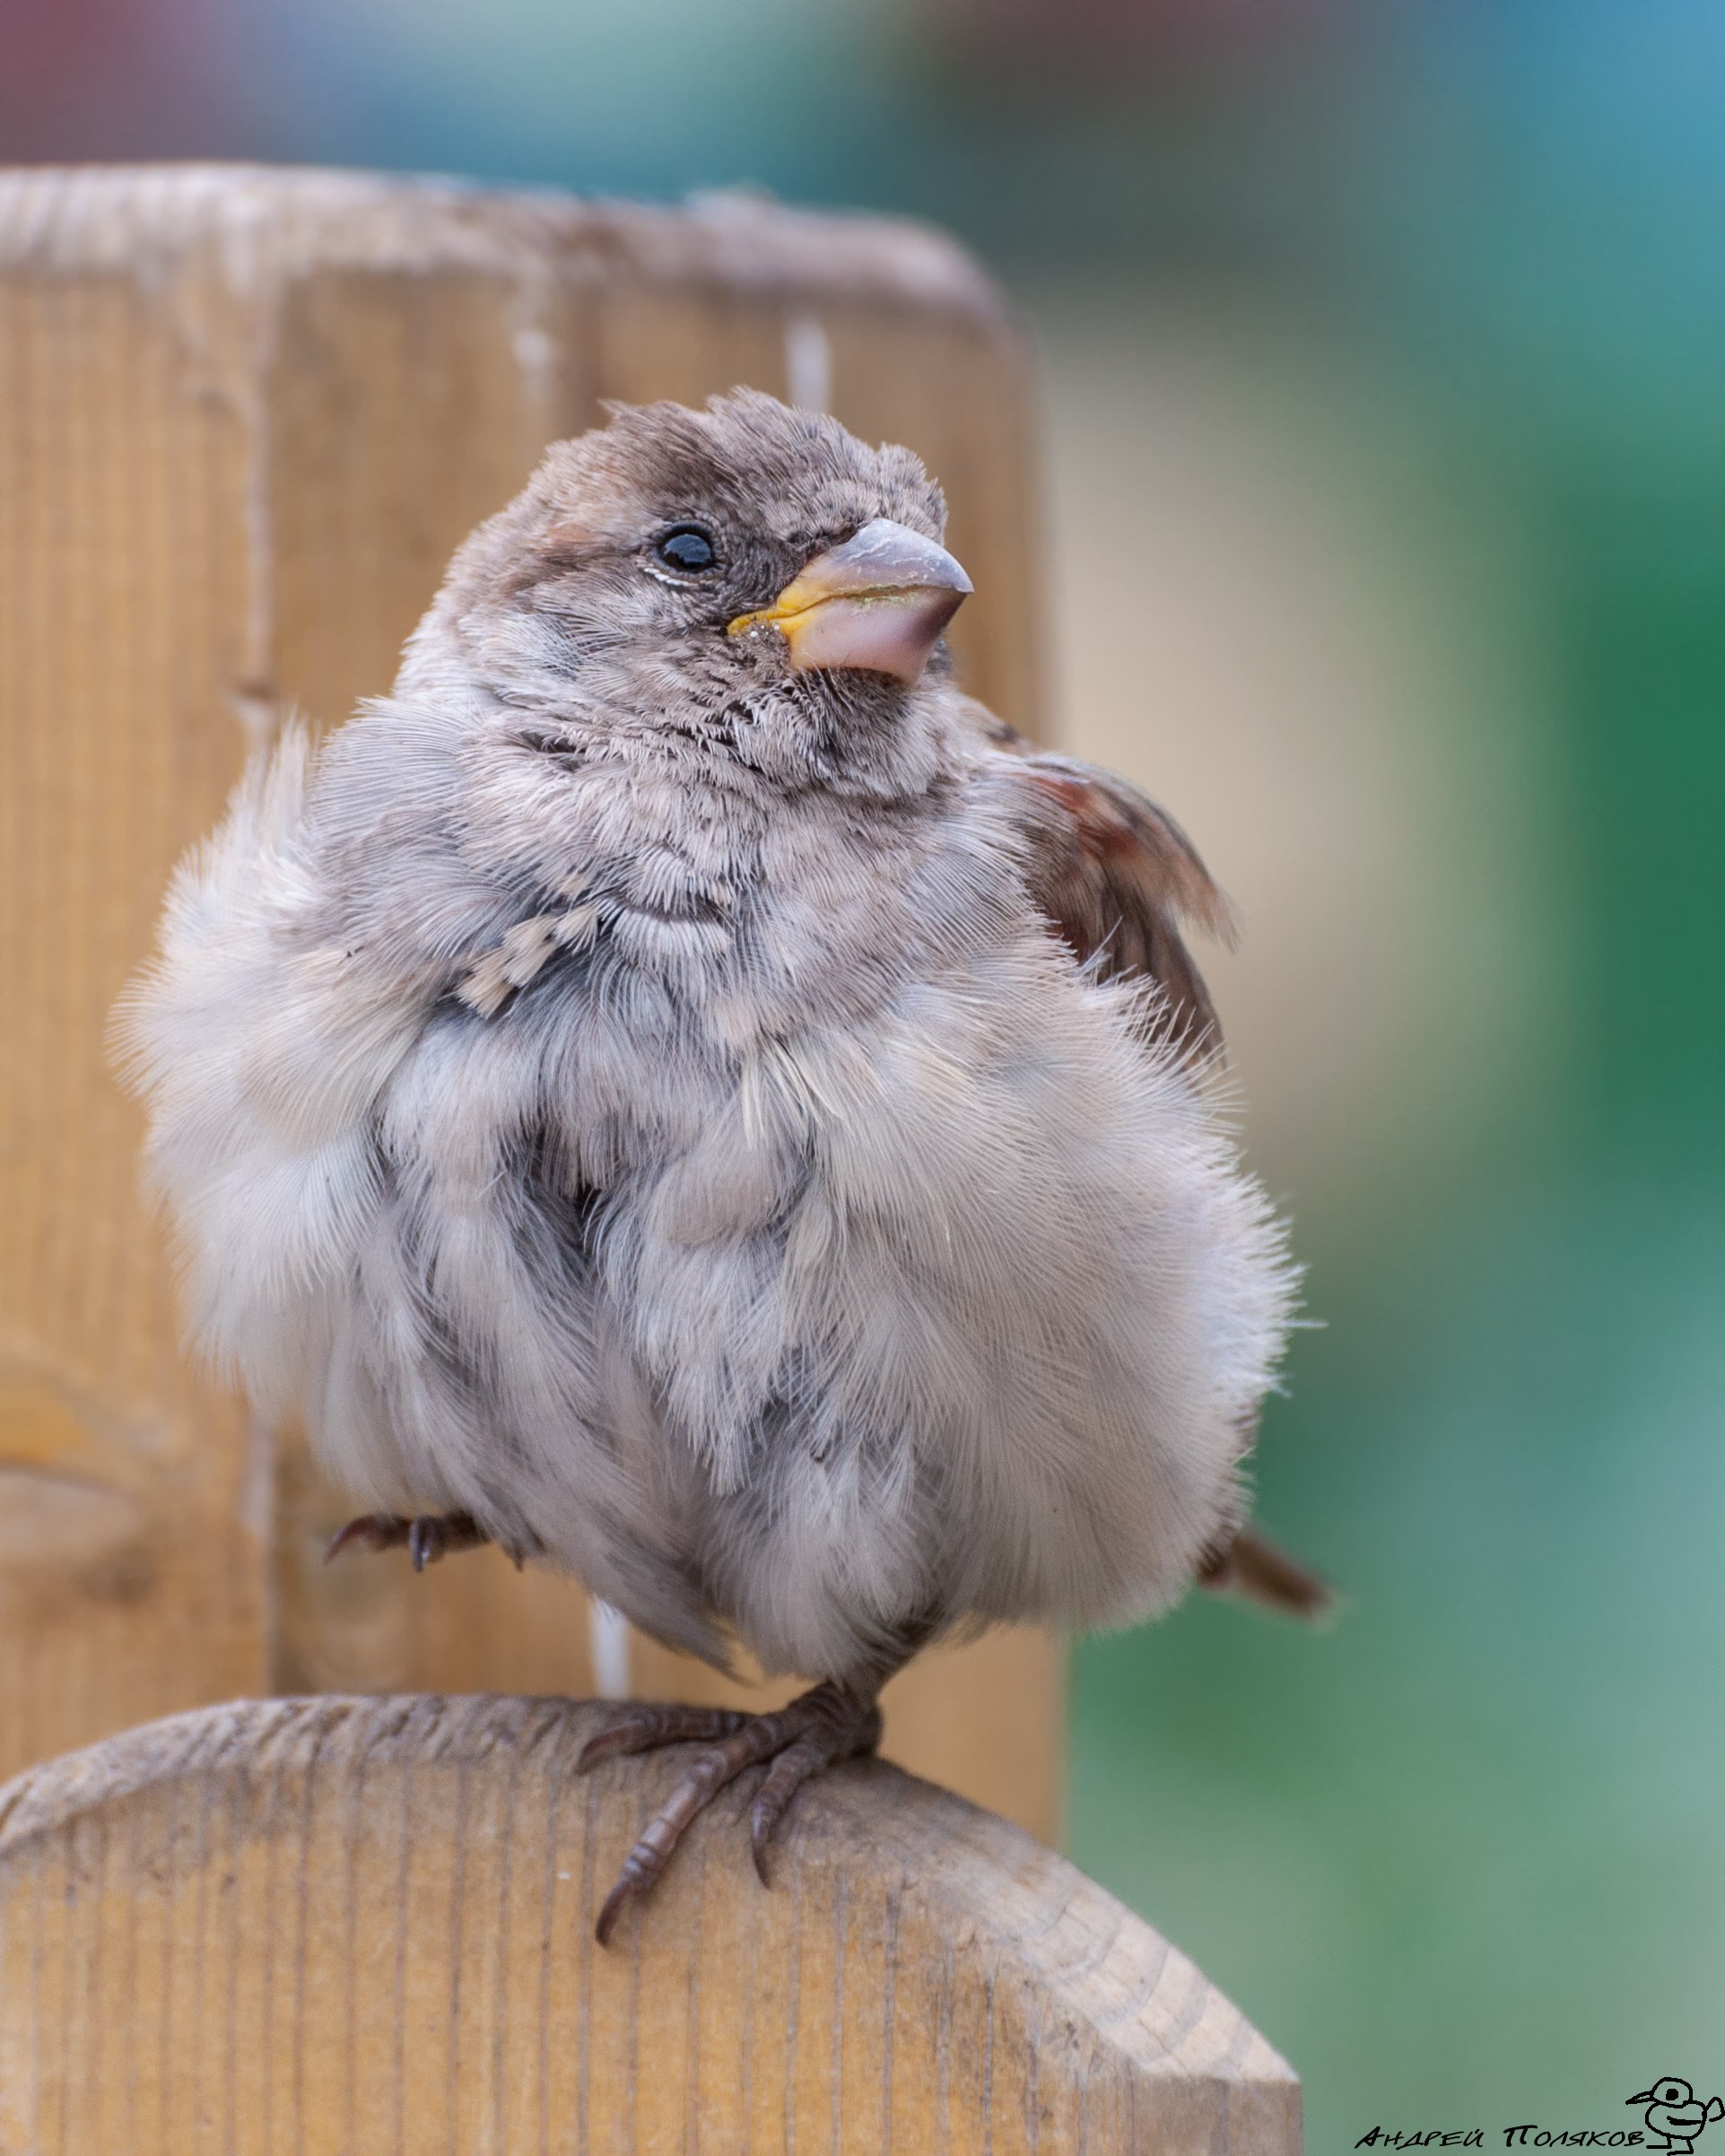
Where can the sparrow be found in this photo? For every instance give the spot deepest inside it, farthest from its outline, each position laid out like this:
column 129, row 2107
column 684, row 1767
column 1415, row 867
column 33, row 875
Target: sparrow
column 678, row 1091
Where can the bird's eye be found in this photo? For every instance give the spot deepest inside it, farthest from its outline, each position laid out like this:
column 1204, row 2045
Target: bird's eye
column 685, row 546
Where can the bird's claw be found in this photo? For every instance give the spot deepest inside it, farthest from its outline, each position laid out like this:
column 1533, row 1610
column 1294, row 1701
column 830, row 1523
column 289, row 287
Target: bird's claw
column 427, row 1537
column 796, row 1744
column 647, row 1728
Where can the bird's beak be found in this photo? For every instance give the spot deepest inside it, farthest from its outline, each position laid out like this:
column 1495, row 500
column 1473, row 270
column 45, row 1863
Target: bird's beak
column 879, row 602
column 1646, row 2096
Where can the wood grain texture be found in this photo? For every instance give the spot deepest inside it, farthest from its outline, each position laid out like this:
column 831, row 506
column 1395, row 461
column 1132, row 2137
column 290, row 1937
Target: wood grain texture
column 313, row 1926
column 245, row 416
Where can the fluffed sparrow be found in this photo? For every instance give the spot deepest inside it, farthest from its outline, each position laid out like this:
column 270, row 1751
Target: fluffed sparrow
column 674, row 1089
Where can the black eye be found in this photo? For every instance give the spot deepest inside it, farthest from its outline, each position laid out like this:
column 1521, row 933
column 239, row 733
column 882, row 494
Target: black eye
column 686, row 546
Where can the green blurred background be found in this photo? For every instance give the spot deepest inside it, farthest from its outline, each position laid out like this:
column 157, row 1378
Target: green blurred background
column 1383, row 353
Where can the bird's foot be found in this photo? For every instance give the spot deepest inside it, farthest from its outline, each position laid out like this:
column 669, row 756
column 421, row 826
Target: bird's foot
column 428, row 1537
column 802, row 1740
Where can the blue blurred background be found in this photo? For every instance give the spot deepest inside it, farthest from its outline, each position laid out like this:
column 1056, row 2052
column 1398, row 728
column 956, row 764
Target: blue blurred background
column 1383, row 350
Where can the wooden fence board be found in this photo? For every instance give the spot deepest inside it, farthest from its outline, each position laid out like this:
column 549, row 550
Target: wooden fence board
column 342, row 1925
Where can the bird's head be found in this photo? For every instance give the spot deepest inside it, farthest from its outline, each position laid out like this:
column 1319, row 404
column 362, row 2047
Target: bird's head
column 743, row 570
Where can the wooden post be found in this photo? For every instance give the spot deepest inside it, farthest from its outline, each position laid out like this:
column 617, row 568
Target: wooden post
column 245, row 416
column 336, row 1925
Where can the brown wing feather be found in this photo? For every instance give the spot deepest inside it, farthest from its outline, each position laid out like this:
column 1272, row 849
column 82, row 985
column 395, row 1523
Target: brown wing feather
column 1117, row 879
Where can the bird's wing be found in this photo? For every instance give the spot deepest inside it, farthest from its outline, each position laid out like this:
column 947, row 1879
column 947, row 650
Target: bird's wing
column 1118, row 880
column 1256, row 1570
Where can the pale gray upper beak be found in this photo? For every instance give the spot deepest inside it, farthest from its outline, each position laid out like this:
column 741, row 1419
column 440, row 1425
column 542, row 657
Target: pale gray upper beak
column 880, row 601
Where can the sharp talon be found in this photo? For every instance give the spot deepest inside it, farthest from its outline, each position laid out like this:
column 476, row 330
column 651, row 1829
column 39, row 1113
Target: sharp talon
column 421, row 1544
column 614, row 1907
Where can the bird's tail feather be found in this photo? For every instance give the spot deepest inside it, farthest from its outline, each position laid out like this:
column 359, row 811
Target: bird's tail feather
column 1252, row 1567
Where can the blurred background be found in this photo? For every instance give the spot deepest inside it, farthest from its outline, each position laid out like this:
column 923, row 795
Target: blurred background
column 1382, row 349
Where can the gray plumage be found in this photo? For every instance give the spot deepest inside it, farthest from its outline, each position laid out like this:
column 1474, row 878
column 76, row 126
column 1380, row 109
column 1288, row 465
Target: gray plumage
column 740, row 1132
